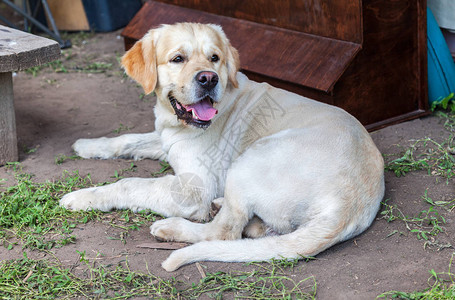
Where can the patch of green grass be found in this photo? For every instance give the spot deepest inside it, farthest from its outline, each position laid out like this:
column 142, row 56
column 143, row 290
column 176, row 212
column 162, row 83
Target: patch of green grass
column 449, row 205
column 78, row 38
column 76, row 59
column 61, row 158
column 441, row 287
column 266, row 281
column 446, row 103
column 28, row 150
column 29, row 211
column 165, row 168
column 449, row 120
column 437, row 158
column 14, row 165
column 426, row 154
column 118, row 174
column 36, row 279
column 57, row 66
column 30, row 214
column 426, row 225
column 121, row 128
column 96, row 67
column 27, row 278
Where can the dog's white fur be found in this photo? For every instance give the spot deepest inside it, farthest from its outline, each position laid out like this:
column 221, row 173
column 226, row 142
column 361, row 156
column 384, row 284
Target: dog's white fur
column 277, row 162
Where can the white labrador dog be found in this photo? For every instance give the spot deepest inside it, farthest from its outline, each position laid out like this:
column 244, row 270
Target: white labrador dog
column 295, row 176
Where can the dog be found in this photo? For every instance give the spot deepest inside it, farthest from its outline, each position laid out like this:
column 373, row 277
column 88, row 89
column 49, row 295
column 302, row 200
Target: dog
column 293, row 176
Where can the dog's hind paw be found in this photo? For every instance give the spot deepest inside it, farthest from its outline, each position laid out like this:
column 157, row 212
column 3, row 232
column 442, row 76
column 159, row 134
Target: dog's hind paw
column 173, row 262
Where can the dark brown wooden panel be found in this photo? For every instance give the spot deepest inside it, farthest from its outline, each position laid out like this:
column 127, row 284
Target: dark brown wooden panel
column 388, row 78
column 312, row 61
column 329, row 18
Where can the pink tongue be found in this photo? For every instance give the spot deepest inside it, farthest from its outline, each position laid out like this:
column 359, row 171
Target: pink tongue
column 203, row 109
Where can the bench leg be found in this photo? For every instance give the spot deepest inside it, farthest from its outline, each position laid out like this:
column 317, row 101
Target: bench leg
column 8, row 139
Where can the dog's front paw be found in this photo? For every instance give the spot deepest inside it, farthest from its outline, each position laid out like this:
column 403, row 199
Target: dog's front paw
column 94, row 148
column 172, row 230
column 85, row 199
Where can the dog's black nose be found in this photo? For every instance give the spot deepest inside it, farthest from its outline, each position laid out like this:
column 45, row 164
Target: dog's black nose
column 207, row 79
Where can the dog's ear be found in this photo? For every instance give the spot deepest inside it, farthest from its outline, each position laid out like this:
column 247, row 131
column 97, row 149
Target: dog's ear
column 233, row 65
column 140, row 63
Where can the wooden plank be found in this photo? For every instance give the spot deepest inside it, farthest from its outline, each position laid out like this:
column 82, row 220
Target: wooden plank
column 340, row 20
column 308, row 60
column 20, row 50
column 8, row 140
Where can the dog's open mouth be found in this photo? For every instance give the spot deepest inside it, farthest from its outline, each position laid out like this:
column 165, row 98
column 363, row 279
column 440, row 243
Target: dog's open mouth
column 198, row 114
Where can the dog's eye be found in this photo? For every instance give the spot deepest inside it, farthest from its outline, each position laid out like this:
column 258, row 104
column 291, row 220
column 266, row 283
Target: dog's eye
column 214, row 58
column 177, row 59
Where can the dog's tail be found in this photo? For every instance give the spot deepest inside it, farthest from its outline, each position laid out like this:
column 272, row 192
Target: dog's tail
column 301, row 243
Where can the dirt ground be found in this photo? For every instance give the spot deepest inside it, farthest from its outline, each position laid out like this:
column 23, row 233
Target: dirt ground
column 54, row 109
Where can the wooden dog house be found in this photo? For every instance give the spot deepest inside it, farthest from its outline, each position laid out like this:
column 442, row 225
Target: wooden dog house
column 367, row 56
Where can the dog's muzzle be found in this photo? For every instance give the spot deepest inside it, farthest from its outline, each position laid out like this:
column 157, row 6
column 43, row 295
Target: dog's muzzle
column 201, row 113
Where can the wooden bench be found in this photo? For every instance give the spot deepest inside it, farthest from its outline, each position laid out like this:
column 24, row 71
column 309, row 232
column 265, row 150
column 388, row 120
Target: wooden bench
column 18, row 51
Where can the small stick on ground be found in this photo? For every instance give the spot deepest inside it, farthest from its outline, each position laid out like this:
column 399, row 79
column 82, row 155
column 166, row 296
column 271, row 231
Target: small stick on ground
column 163, row 245
column 29, row 274
column 201, row 271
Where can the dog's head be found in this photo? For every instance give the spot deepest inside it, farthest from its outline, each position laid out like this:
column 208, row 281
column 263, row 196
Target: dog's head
column 188, row 65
